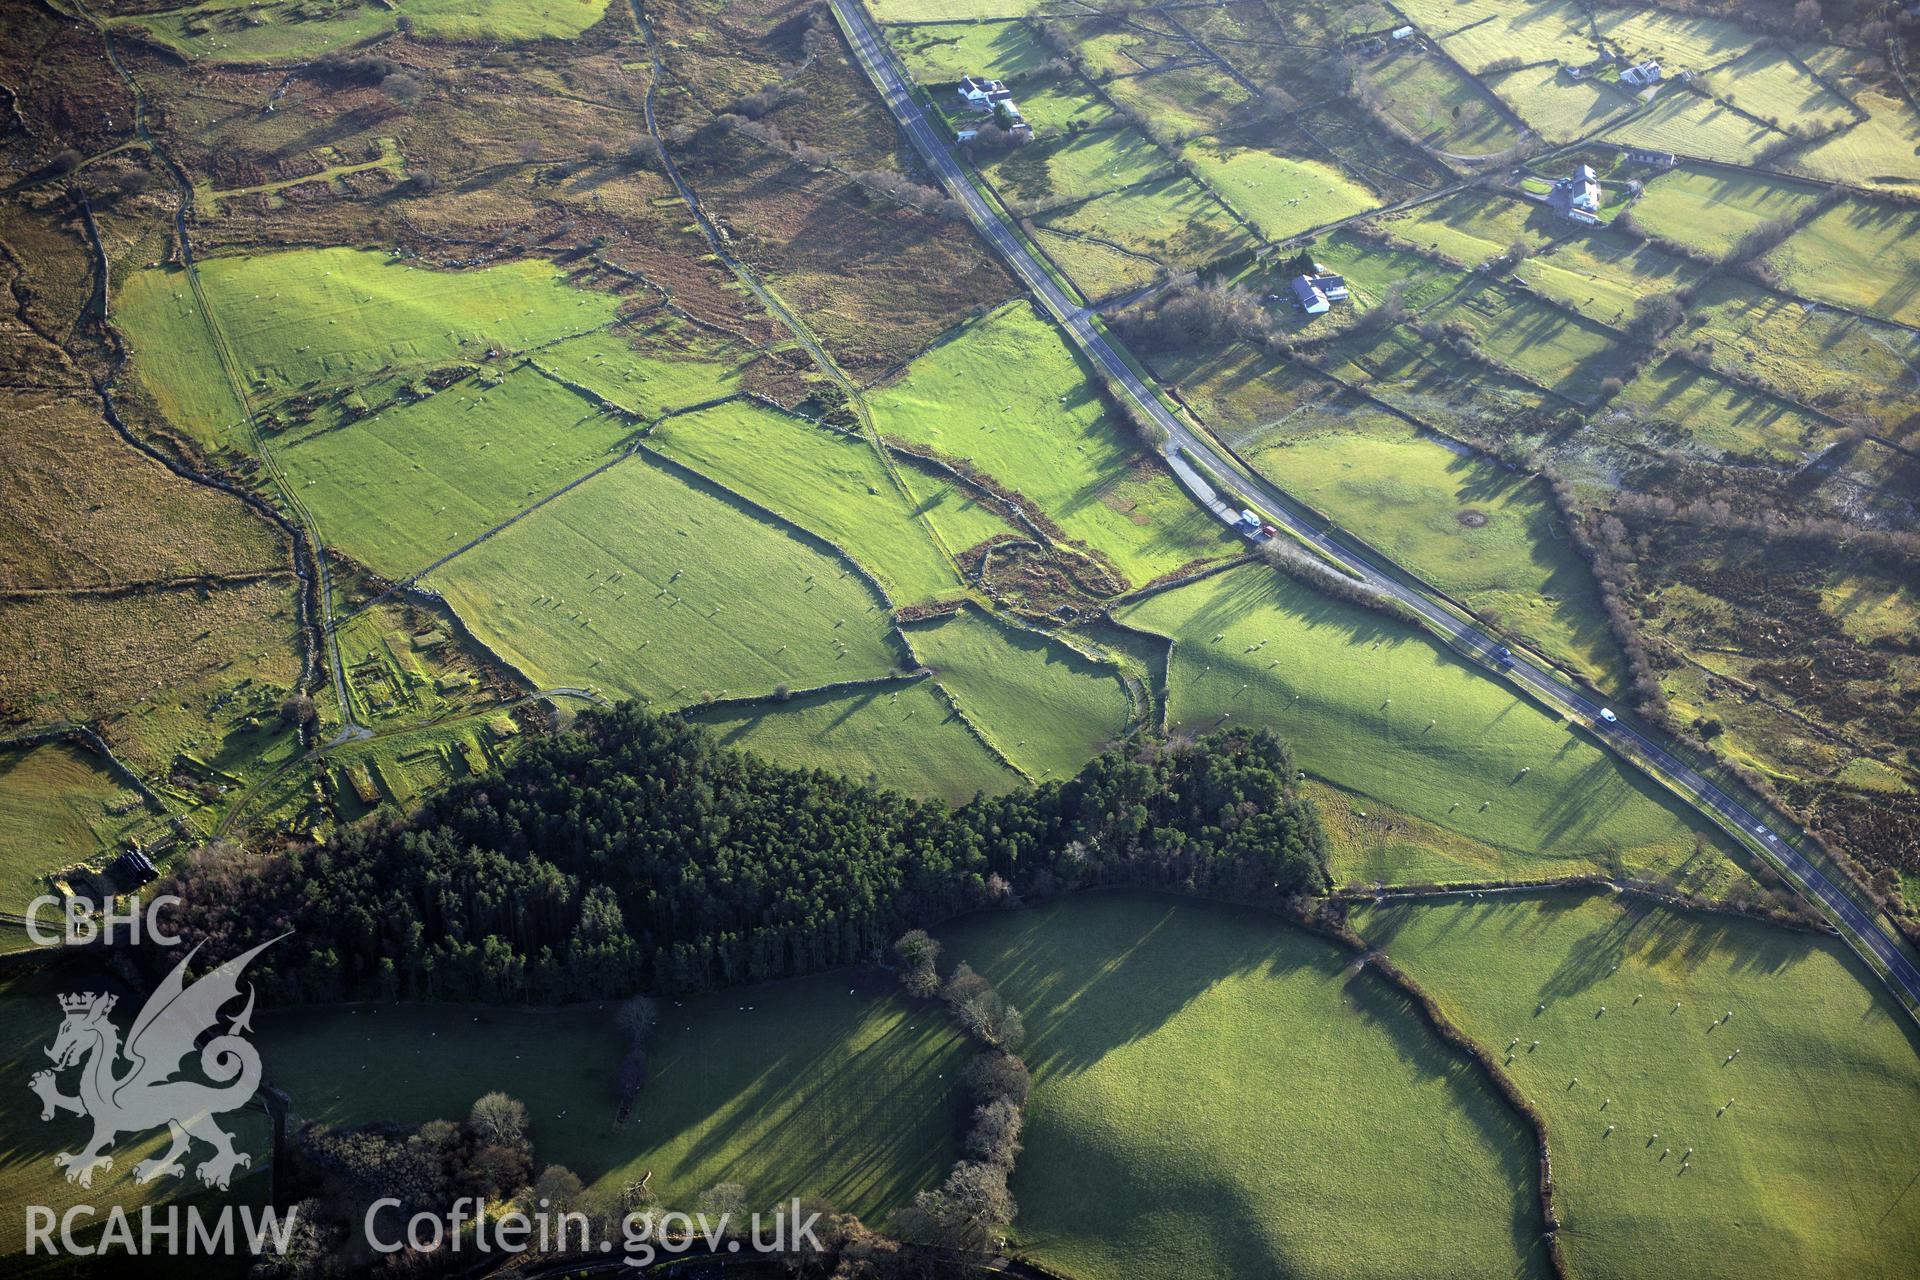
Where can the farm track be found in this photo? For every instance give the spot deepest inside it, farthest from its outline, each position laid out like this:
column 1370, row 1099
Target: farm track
column 1532, row 677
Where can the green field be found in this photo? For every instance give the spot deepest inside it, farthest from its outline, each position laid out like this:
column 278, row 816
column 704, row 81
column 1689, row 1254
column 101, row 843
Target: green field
column 1008, row 393
column 1570, row 356
column 1384, row 713
column 811, row 1091
column 948, row 10
column 1044, row 706
column 650, row 367
column 1478, row 32
column 1559, row 109
column 1722, row 416
column 1681, row 42
column 1604, row 276
column 1712, row 210
column 1098, row 270
column 1446, row 109
column 1881, row 151
column 1688, row 124
column 1184, row 99
column 1836, row 361
column 324, row 320
column 937, row 54
column 1485, row 535
column 1472, row 227
column 904, row 736
column 1083, row 164
column 832, row 484
column 417, row 481
column 649, row 586
column 247, row 31
column 1280, row 194
column 1809, row 1171
column 58, row 806
column 1172, row 220
column 1862, row 256
column 1217, row 1095
column 1772, row 85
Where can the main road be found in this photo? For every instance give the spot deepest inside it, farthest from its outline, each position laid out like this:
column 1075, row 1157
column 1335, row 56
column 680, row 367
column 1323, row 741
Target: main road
column 1639, row 745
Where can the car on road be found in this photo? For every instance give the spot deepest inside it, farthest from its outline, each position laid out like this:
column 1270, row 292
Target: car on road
column 1606, row 714
column 1503, row 656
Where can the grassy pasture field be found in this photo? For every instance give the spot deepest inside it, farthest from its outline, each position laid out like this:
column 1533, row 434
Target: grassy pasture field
column 832, row 484
column 1809, row 1170
column 1603, row 276
column 1687, row 124
column 1472, row 227
column 1561, row 353
column 651, row 367
column 58, row 806
column 1385, row 714
column 651, row 586
column 1173, row 220
column 1858, row 255
column 1098, row 270
column 1559, row 109
column 244, row 31
column 1712, row 210
column 1719, row 415
column 1010, row 394
column 1045, row 707
column 307, row 319
column 1431, row 97
column 1078, row 165
column 1479, row 32
column 1483, row 534
column 1836, row 361
column 944, row 11
column 1188, row 99
column 937, row 54
column 812, row 1091
column 905, row 736
column 412, row 483
column 1279, row 194
column 1216, row 1095
column 1881, row 151
column 1775, row 87
column 1679, row 41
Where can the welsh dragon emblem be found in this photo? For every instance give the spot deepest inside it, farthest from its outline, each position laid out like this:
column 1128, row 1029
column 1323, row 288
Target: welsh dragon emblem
column 130, row 1088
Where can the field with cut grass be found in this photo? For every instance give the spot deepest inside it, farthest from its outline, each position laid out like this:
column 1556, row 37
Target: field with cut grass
column 1801, row 1146
column 647, row 585
column 1219, row 1095
column 1097, row 269
column 832, row 484
column 1186, row 99
column 905, row 735
column 1172, row 220
column 1009, row 394
column 1382, row 712
column 1862, row 256
column 1714, row 414
column 244, row 31
column 1679, row 41
column 1772, row 85
column 1044, row 706
column 790, row 1088
column 1483, row 534
column 1711, row 210
column 936, row 54
column 1280, row 194
column 948, row 10
column 652, row 366
column 59, row 805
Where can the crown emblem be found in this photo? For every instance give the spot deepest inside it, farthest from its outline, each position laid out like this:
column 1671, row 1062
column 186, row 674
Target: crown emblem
column 82, row 1001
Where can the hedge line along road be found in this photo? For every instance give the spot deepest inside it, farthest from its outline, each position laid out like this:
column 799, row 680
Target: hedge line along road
column 1639, row 745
